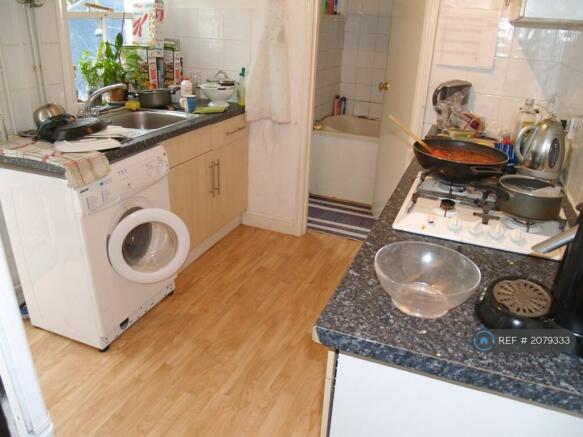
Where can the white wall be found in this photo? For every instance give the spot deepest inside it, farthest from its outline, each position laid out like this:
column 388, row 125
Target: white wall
column 526, row 65
column 19, row 84
column 570, row 91
column 212, row 38
column 330, row 45
column 364, row 60
column 277, row 154
column 529, row 63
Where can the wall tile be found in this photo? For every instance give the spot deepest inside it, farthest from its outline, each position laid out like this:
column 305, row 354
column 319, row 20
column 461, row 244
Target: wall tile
column 353, row 23
column 488, row 81
column 349, row 74
column 371, row 6
column 361, row 108
column 237, row 54
column 366, row 58
column 533, row 43
column 368, row 23
column 210, row 23
column 211, row 54
column 375, row 110
column 386, row 7
column 364, row 76
column 185, row 23
column 237, row 24
column 362, row 92
column 504, row 41
column 190, row 49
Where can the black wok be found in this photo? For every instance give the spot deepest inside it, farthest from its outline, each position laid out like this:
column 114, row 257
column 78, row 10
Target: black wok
column 459, row 172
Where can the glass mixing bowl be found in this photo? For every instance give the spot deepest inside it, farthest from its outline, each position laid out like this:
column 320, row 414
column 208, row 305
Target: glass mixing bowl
column 425, row 279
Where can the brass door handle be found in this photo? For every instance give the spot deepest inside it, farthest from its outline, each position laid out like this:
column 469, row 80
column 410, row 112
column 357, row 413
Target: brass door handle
column 384, row 86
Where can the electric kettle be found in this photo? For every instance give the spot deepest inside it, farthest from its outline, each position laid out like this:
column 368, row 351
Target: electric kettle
column 540, row 149
column 568, row 284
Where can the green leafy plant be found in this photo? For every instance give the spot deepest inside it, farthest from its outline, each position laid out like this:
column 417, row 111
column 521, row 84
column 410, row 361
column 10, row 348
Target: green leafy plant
column 106, row 67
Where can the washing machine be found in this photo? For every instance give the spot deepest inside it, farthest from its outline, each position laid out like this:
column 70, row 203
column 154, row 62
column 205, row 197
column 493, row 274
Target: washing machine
column 93, row 260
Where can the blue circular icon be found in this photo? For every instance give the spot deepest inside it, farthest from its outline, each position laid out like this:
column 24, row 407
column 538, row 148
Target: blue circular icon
column 484, row 341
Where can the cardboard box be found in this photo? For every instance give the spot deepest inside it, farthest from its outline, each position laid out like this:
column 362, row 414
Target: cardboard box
column 148, row 23
column 156, row 67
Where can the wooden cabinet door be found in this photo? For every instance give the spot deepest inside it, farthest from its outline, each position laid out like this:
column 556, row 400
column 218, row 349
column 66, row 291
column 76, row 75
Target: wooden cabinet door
column 231, row 182
column 190, row 198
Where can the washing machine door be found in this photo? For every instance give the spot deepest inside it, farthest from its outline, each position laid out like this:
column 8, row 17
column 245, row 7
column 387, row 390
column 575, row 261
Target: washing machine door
column 148, row 245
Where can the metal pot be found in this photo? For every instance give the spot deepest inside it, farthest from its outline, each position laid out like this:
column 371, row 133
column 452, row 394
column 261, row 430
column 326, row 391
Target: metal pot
column 459, row 172
column 517, row 197
column 159, row 98
column 44, row 112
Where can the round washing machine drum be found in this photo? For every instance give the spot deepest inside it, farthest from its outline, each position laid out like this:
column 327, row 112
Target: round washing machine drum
column 148, row 245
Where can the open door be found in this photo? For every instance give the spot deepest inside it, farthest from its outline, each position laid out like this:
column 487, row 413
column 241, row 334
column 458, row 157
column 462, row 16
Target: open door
column 413, row 28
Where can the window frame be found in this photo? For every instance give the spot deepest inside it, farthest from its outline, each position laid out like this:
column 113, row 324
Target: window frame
column 64, row 15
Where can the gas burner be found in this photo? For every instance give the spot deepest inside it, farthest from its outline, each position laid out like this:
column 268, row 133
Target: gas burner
column 447, row 205
column 450, row 186
column 522, row 224
column 485, row 215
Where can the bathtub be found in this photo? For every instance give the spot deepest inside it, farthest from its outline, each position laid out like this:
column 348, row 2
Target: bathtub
column 343, row 158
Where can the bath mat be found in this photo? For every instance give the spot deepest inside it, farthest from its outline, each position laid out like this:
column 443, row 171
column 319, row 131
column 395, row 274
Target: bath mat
column 340, row 218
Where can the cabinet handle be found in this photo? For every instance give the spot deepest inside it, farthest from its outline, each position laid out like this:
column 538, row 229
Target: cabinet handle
column 219, row 176
column 212, row 167
column 234, row 131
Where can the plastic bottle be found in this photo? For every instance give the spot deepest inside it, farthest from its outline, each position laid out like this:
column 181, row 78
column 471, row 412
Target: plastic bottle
column 242, row 88
column 185, row 87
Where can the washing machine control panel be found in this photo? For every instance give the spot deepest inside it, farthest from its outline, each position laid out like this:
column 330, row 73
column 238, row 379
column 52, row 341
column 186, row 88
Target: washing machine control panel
column 126, row 178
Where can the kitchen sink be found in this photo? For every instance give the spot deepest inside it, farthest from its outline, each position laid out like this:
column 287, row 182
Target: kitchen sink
column 144, row 120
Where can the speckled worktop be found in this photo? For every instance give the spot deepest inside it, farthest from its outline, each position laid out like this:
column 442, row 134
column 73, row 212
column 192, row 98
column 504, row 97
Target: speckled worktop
column 360, row 319
column 134, row 145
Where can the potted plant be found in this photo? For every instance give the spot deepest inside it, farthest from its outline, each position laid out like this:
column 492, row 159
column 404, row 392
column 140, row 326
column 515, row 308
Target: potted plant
column 106, row 67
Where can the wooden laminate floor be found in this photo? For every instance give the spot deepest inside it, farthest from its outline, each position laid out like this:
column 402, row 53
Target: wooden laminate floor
column 229, row 354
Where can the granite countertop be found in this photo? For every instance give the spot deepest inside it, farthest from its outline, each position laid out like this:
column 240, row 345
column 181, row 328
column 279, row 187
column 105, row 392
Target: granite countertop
column 134, row 145
column 360, row 319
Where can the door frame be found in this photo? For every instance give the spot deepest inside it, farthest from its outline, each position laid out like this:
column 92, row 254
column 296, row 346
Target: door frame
column 419, row 99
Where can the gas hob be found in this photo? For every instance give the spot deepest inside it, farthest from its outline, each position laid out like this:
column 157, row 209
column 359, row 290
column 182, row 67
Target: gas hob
column 468, row 214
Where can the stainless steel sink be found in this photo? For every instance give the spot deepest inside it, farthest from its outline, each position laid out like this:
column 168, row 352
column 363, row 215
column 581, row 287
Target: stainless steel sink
column 144, row 120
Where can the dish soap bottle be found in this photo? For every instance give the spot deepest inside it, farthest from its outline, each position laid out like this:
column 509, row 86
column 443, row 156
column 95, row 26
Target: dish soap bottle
column 241, row 90
column 525, row 116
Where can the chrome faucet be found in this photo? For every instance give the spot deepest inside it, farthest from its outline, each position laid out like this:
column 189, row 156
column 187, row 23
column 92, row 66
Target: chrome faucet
column 88, row 110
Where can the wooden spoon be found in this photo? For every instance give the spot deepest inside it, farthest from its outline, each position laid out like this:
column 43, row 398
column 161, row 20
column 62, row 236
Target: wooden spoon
column 412, row 134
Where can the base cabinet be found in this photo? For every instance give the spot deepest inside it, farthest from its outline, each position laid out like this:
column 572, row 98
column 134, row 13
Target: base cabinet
column 190, row 199
column 208, row 181
column 373, row 399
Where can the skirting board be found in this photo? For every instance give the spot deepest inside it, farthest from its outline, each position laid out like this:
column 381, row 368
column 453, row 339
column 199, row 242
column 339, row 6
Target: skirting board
column 270, row 223
column 210, row 242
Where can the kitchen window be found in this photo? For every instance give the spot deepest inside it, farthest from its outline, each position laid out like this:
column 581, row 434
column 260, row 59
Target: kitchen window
column 90, row 23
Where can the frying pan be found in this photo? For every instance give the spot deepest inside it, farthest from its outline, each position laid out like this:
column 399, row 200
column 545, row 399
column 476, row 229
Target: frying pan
column 459, row 172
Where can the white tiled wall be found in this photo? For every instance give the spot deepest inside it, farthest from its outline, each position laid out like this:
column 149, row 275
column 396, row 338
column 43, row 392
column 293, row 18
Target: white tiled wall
column 526, row 65
column 529, row 62
column 20, row 94
column 211, row 38
column 364, row 58
column 570, row 92
column 330, row 45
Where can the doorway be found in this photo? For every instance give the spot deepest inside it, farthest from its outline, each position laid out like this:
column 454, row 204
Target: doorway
column 370, row 63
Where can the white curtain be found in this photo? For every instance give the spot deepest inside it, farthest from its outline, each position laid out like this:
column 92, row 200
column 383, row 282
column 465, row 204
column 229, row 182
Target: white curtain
column 268, row 89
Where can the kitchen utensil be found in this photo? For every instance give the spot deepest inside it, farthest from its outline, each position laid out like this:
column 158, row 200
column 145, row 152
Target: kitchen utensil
column 47, row 111
column 458, row 172
column 410, row 133
column 540, row 149
column 460, row 134
column 87, row 145
column 529, row 198
column 65, row 127
column 218, row 94
column 515, row 302
column 159, row 98
column 446, row 91
column 188, row 103
column 425, row 279
column 568, row 284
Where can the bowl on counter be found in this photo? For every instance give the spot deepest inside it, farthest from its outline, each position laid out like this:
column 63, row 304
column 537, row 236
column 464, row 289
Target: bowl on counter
column 425, row 279
column 218, row 93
